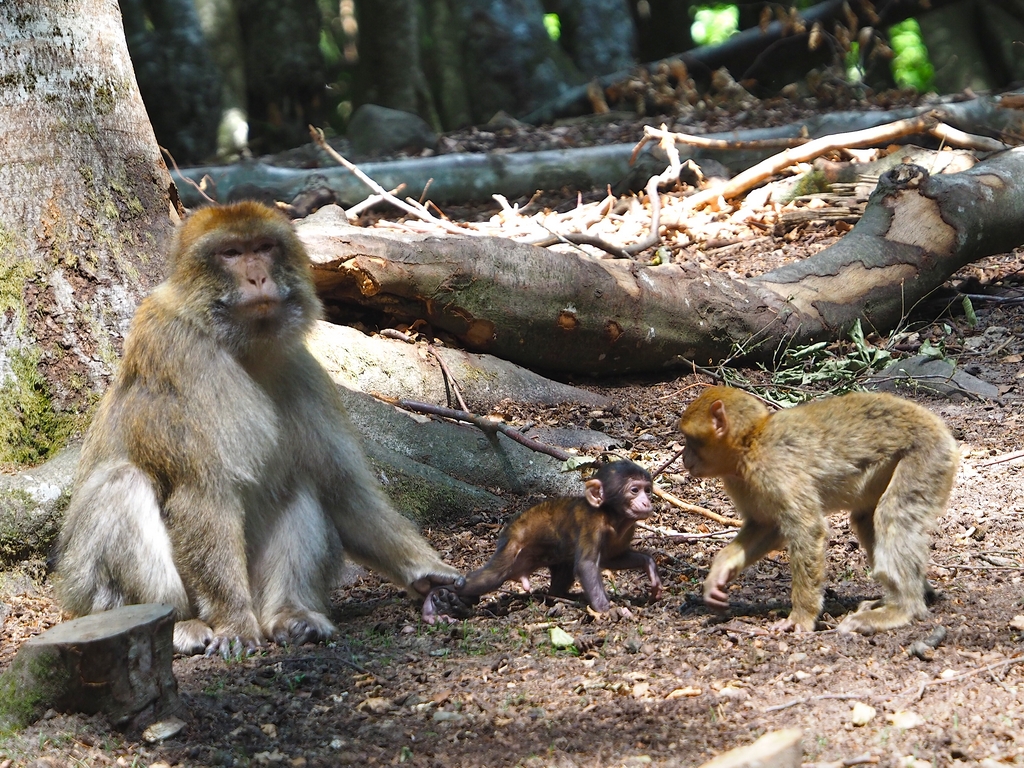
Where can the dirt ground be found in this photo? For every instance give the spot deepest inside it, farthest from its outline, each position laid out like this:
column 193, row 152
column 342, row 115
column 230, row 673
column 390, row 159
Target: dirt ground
column 674, row 685
column 669, row 685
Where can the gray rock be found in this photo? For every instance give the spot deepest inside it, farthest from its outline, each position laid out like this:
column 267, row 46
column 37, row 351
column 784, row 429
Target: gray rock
column 929, row 374
column 376, row 130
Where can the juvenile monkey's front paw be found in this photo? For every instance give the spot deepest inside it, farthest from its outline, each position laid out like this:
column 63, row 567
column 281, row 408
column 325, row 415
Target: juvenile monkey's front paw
column 716, row 591
column 716, row 601
column 788, row 625
column 611, row 613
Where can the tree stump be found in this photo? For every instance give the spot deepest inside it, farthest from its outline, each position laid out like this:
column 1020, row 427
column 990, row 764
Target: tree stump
column 117, row 662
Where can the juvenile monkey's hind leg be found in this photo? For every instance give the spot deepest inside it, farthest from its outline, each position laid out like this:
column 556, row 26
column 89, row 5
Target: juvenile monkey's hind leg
column 292, row 572
column 902, row 520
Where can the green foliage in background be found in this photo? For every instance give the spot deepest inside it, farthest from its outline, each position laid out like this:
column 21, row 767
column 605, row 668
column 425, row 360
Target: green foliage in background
column 910, row 66
column 713, row 24
column 553, row 25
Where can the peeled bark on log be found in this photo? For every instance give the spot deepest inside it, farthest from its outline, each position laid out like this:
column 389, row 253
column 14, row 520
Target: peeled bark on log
column 559, row 312
column 117, row 662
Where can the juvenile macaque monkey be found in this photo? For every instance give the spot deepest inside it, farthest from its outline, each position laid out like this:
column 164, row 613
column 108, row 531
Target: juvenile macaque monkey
column 888, row 461
column 573, row 537
column 220, row 474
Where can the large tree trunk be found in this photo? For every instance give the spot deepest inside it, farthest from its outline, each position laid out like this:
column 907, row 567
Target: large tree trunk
column 177, row 77
column 560, row 312
column 389, row 52
column 84, row 202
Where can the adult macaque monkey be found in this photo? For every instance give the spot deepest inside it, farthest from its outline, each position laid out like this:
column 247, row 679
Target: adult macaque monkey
column 574, row 537
column 888, row 461
column 220, row 474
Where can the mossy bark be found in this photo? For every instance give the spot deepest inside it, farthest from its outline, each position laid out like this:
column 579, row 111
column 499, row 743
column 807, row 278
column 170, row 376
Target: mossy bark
column 84, row 209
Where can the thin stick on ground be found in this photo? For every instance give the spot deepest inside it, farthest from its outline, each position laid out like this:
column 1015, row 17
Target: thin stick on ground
column 660, row 470
column 675, row 501
column 821, row 697
column 1013, row 456
column 484, row 423
column 919, row 692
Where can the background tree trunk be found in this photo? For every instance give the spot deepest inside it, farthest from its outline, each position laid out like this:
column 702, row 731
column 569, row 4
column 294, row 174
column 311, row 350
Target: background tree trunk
column 598, row 35
column 84, row 202
column 389, row 52
column 177, row 77
column 443, row 58
column 219, row 19
column 284, row 70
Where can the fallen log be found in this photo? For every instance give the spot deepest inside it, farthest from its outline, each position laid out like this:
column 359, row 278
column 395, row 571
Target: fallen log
column 468, row 177
column 457, row 177
column 570, row 313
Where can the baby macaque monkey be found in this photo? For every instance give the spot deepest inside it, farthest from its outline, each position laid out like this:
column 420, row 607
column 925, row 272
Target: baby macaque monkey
column 888, row 461
column 574, row 537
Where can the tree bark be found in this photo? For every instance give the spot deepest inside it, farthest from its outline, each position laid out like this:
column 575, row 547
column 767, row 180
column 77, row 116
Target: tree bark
column 83, row 213
column 558, row 312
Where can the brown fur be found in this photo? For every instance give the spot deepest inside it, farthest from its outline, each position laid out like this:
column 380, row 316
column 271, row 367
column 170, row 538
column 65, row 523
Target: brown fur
column 887, row 461
column 574, row 538
column 220, row 473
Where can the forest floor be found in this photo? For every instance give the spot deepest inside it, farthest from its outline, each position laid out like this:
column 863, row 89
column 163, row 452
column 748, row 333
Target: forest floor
column 668, row 684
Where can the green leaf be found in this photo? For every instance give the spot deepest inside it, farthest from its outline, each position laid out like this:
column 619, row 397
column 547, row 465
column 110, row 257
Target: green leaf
column 930, row 350
column 972, row 319
column 553, row 26
column 561, row 639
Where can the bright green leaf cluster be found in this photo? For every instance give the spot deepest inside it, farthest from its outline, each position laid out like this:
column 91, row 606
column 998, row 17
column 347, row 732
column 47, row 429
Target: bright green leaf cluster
column 910, row 66
column 714, row 24
column 553, row 25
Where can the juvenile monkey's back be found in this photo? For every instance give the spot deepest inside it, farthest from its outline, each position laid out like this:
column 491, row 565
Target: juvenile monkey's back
column 862, row 427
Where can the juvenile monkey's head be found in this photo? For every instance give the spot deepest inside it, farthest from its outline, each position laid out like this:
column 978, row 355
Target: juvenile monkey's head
column 242, row 269
column 623, row 487
column 718, row 427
